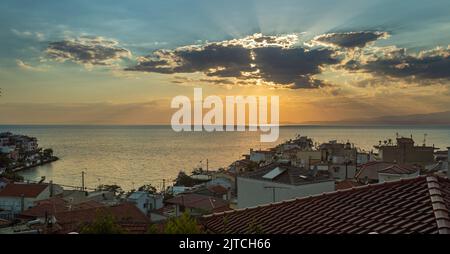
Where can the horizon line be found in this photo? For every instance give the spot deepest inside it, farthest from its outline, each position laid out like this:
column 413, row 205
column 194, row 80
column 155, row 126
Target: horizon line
column 331, row 124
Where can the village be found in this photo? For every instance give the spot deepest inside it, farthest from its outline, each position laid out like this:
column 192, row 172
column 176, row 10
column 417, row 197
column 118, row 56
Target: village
column 20, row 152
column 296, row 187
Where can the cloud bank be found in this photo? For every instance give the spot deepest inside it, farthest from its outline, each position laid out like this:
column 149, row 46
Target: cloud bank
column 272, row 59
column 88, row 51
column 426, row 65
column 278, row 60
column 349, row 40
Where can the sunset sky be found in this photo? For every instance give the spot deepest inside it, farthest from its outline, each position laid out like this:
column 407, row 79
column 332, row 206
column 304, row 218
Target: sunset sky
column 121, row 62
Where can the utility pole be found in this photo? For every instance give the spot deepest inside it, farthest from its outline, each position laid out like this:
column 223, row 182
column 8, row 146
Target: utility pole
column 164, row 186
column 207, row 165
column 82, row 180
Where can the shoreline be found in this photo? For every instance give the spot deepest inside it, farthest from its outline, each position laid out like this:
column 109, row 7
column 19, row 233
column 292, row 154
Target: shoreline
column 20, row 169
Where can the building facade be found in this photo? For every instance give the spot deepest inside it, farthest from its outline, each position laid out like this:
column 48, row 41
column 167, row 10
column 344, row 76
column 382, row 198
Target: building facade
column 146, row 202
column 18, row 197
column 406, row 152
column 278, row 182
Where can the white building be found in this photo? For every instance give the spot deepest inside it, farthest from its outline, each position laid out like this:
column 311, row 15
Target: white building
column 397, row 172
column 337, row 171
column 261, row 156
column 145, row 201
column 277, row 182
column 342, row 171
column 18, row 197
column 363, row 158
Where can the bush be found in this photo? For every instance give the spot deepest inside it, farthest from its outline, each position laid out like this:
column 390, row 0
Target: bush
column 104, row 223
column 185, row 224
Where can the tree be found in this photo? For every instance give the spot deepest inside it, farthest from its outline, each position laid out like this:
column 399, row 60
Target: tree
column 184, row 180
column 104, row 223
column 130, row 192
column 13, row 176
column 5, row 161
column 153, row 229
column 252, row 166
column 48, row 153
column 185, row 224
column 118, row 191
column 148, row 188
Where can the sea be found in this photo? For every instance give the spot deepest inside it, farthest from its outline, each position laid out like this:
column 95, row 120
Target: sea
column 131, row 156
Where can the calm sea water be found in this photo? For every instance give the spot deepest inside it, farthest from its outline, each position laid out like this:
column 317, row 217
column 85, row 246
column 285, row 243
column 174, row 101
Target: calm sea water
column 134, row 155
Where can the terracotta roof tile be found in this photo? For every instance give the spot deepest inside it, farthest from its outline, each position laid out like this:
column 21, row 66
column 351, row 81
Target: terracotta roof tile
column 289, row 175
column 19, row 189
column 127, row 215
column 399, row 169
column 370, row 169
column 57, row 205
column 346, row 184
column 218, row 189
column 197, row 201
column 404, row 206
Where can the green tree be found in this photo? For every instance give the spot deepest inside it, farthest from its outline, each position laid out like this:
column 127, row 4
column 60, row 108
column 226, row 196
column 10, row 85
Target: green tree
column 130, row 192
column 148, row 188
column 185, row 224
column 104, row 223
column 153, row 229
column 13, row 176
column 252, row 166
column 5, row 161
column 113, row 188
column 48, row 153
column 184, row 180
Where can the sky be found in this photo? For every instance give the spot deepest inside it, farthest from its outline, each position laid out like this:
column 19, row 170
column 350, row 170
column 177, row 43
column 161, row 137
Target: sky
column 122, row 62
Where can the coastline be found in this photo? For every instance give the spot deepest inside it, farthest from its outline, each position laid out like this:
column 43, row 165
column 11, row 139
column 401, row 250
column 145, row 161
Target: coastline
column 48, row 161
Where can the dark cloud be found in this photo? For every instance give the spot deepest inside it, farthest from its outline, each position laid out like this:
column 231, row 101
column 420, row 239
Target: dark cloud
column 269, row 58
column 422, row 67
column 87, row 51
column 281, row 61
column 349, row 40
column 426, row 65
column 292, row 66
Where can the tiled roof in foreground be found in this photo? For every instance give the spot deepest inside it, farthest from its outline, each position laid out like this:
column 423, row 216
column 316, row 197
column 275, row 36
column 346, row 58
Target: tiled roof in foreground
column 400, row 170
column 418, row 205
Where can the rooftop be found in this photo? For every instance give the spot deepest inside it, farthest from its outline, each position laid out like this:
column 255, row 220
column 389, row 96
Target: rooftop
column 19, row 189
column 399, row 170
column 370, row 169
column 128, row 216
column 417, row 205
column 218, row 189
column 346, row 184
column 287, row 174
column 202, row 202
column 56, row 205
